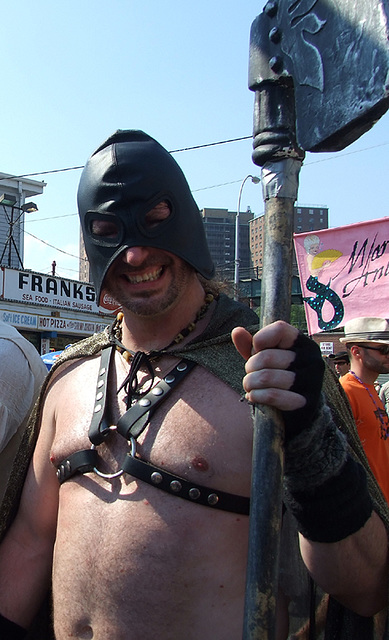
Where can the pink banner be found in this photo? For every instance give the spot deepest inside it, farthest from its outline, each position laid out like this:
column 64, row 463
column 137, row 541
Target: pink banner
column 344, row 273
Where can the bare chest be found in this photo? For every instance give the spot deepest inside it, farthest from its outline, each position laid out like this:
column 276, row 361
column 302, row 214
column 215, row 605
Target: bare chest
column 201, row 431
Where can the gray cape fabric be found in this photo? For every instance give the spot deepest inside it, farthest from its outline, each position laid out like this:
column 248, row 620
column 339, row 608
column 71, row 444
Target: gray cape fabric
column 213, row 350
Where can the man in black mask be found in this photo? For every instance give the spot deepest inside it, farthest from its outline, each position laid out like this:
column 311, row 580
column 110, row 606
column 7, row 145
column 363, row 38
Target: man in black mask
column 136, row 502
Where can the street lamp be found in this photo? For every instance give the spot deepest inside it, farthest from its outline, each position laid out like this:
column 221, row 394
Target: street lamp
column 27, row 207
column 255, row 180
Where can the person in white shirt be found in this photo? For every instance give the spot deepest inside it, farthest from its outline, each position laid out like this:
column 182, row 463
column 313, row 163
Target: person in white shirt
column 21, row 375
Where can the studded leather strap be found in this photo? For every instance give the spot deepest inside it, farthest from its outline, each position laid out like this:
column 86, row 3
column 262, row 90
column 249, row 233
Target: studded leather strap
column 81, row 461
column 98, row 429
column 181, row 488
column 130, row 425
column 87, row 460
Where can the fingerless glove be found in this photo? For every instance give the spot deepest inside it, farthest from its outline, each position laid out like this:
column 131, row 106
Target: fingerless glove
column 308, row 367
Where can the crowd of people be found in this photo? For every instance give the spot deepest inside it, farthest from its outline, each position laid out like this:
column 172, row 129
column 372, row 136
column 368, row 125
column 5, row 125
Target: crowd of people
column 126, row 513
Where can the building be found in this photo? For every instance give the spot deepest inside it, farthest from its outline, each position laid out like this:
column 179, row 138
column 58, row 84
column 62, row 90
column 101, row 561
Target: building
column 15, row 193
column 49, row 311
column 83, row 264
column 257, row 242
column 310, row 218
column 305, row 218
column 219, row 225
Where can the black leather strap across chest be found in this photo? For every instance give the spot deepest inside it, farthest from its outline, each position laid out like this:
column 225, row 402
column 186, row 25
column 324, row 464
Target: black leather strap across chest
column 130, row 426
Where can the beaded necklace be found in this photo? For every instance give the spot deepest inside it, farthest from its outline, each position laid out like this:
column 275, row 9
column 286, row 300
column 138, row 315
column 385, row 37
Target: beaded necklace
column 128, row 354
column 141, row 359
column 378, row 410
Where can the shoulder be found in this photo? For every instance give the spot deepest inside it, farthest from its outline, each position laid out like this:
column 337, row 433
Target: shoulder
column 75, row 363
column 238, row 311
column 72, row 376
column 14, row 366
column 17, row 351
column 347, row 381
column 227, row 315
column 83, row 349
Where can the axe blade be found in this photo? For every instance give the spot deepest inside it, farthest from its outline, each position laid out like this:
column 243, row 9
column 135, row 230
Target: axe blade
column 337, row 53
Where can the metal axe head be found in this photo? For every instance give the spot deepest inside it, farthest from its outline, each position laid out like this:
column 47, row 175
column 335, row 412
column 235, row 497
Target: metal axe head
column 336, row 53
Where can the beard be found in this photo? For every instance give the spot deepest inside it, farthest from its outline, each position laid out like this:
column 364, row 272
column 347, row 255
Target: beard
column 373, row 364
column 150, row 302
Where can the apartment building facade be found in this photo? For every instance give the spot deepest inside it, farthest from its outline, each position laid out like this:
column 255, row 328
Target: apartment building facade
column 220, row 231
column 305, row 218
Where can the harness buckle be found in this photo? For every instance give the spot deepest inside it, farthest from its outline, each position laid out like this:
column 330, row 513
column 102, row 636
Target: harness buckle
column 116, row 474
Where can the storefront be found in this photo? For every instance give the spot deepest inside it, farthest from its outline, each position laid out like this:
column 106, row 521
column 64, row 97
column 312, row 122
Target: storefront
column 49, row 311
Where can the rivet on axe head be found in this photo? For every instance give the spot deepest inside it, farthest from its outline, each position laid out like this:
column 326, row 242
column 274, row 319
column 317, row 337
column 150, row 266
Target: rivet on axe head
column 275, row 35
column 276, row 64
column 271, row 8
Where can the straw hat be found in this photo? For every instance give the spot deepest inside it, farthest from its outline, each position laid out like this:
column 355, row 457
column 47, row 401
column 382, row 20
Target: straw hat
column 366, row 330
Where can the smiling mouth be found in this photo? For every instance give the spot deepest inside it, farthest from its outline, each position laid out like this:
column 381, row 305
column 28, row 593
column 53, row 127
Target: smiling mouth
column 145, row 277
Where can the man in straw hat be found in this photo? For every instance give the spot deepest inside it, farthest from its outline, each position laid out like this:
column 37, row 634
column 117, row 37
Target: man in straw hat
column 367, row 342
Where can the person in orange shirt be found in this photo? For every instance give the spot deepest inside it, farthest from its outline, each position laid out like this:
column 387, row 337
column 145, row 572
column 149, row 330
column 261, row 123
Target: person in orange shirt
column 367, row 343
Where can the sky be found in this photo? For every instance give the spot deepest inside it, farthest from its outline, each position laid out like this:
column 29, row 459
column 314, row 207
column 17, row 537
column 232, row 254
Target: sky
column 75, row 72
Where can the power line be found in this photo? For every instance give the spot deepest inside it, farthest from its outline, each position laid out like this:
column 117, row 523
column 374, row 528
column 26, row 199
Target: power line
column 214, row 186
column 202, row 146
column 41, row 173
column 35, row 219
column 347, row 153
column 53, row 247
column 194, row 148
column 198, row 146
column 211, row 144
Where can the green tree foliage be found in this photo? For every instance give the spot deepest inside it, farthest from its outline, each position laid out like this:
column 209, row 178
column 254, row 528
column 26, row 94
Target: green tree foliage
column 297, row 317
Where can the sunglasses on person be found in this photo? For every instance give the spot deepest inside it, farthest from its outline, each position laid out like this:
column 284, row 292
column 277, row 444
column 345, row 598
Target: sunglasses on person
column 384, row 349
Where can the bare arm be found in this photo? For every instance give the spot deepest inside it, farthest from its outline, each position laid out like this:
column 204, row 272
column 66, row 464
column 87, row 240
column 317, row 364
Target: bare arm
column 26, row 551
column 352, row 569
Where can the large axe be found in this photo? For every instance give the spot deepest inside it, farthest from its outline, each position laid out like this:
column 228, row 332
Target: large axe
column 320, row 73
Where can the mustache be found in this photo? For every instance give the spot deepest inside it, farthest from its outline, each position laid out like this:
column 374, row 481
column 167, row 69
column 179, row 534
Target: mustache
column 149, row 263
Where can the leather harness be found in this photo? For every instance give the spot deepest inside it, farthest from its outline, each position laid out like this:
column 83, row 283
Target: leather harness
column 130, row 426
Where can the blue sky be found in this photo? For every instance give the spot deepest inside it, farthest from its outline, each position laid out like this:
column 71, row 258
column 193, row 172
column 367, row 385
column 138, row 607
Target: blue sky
column 74, row 72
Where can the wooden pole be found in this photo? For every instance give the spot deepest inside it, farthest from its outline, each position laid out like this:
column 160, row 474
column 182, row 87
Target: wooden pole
column 268, row 458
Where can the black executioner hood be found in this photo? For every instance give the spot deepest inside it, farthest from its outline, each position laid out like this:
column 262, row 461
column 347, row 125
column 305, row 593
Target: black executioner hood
column 128, row 175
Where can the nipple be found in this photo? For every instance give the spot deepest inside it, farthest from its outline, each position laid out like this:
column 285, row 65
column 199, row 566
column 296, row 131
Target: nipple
column 200, row 464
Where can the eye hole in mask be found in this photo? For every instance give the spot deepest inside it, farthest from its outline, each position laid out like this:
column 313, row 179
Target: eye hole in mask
column 157, row 214
column 108, row 229
column 105, row 229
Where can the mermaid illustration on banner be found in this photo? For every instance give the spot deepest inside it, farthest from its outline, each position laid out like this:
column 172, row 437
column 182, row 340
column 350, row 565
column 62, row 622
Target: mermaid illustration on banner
column 317, row 262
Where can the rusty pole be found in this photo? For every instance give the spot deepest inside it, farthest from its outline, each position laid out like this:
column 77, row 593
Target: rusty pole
column 281, row 161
